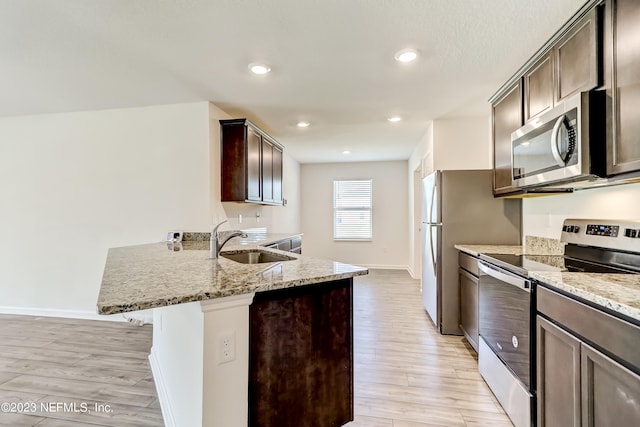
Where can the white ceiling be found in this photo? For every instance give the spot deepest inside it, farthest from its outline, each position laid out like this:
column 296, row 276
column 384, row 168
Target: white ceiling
column 332, row 62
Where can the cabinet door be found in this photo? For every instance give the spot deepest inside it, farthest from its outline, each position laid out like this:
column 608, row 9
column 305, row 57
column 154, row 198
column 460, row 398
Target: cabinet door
column 254, row 165
column 538, row 87
column 610, row 392
column 277, row 175
column 577, row 58
column 469, row 307
column 623, row 41
column 558, row 383
column 267, row 171
column 507, row 118
column 301, row 356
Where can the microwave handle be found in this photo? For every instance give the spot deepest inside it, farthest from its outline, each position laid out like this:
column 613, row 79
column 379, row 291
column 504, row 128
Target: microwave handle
column 554, row 141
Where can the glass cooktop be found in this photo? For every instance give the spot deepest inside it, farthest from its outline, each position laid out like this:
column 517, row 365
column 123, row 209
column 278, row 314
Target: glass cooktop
column 523, row 264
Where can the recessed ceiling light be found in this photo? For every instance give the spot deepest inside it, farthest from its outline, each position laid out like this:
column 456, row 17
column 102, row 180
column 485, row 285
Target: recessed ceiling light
column 394, row 119
column 303, row 124
column 406, row 55
column 259, row 68
column 346, row 152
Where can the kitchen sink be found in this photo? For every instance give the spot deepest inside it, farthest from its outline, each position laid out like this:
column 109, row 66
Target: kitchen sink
column 254, row 256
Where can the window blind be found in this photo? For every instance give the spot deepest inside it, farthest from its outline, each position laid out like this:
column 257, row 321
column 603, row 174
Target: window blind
column 352, row 208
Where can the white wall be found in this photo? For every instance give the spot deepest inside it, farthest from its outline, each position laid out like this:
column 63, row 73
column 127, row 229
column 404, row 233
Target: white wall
column 543, row 216
column 447, row 144
column 390, row 213
column 462, row 144
column 177, row 361
column 72, row 185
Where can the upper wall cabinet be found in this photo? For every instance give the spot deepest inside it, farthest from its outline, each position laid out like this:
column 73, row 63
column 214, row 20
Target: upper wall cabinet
column 622, row 75
column 538, row 87
column 572, row 64
column 506, row 118
column 251, row 164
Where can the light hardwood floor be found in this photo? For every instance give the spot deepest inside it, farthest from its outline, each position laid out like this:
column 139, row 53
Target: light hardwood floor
column 406, row 375
column 48, row 362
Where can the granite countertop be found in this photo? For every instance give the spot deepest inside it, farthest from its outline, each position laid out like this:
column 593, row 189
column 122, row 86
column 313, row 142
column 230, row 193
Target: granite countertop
column 476, row 250
column 160, row 274
column 617, row 292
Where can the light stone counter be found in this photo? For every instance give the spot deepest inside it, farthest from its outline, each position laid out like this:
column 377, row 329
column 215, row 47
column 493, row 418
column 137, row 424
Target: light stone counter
column 617, row 292
column 161, row 274
column 533, row 245
column 476, row 250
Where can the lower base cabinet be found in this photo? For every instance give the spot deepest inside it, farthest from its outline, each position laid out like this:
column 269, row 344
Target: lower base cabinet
column 610, row 392
column 468, row 279
column 301, row 356
column 577, row 384
column 558, row 376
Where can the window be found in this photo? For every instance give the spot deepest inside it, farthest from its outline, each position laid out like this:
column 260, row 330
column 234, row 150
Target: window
column 352, row 204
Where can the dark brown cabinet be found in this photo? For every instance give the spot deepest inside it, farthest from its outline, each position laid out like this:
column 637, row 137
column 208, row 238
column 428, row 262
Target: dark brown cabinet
column 588, row 363
column 538, row 87
column 571, row 65
column 558, row 376
column 578, row 57
column 610, row 392
column 622, row 75
column 251, row 164
column 293, row 244
column 468, row 276
column 301, row 356
column 271, row 171
column 506, row 119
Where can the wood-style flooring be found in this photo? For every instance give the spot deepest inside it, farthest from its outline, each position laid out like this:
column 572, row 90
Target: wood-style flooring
column 406, row 375
column 47, row 363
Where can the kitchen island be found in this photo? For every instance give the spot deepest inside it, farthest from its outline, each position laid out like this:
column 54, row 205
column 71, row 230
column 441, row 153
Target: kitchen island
column 241, row 344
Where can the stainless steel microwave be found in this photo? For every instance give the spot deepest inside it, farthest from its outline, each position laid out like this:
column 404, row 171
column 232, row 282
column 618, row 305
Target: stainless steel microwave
column 562, row 146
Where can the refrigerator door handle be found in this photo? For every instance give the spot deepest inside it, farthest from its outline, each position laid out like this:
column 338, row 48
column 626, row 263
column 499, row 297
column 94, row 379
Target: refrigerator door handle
column 433, row 196
column 433, row 256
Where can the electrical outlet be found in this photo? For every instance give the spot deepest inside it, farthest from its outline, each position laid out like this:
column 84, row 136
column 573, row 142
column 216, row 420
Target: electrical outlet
column 174, row 236
column 226, row 347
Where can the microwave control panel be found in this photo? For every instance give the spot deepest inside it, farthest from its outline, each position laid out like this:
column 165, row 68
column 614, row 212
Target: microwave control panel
column 603, row 230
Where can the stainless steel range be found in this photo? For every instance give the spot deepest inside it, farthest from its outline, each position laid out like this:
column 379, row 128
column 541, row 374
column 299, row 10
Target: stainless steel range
column 507, row 303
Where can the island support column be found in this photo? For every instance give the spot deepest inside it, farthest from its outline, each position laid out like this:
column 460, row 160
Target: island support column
column 225, row 391
column 301, row 364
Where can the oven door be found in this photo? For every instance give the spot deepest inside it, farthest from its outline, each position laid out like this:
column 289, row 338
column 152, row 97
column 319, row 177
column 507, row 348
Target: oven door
column 505, row 304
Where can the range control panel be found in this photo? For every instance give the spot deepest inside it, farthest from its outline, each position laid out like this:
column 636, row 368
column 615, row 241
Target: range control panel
column 603, row 230
column 613, row 234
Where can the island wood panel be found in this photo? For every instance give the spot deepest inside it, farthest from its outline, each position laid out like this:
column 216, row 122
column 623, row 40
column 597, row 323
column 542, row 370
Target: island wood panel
column 301, row 356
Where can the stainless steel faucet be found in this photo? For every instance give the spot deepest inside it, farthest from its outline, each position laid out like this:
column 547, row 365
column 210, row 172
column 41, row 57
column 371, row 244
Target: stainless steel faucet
column 218, row 240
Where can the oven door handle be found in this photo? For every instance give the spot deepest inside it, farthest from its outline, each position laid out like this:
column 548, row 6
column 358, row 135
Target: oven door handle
column 496, row 273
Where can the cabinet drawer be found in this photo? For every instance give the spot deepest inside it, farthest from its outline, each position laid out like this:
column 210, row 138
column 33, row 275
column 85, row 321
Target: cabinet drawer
column 614, row 335
column 469, row 263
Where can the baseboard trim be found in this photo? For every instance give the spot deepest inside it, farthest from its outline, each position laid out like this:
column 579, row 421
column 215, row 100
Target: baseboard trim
column 386, row 267
column 163, row 396
column 54, row 312
column 412, row 273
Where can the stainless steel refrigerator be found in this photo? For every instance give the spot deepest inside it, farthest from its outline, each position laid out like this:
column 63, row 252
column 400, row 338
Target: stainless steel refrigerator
column 458, row 207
